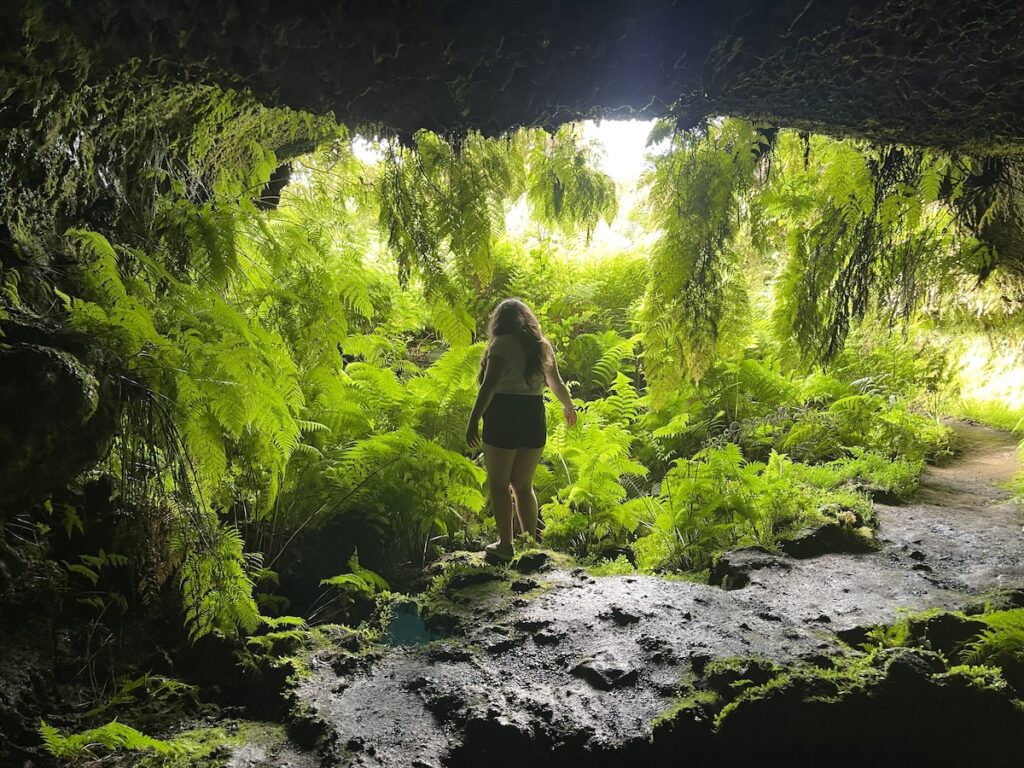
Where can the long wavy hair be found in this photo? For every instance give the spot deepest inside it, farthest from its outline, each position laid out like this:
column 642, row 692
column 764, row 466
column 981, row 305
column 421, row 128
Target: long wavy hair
column 514, row 318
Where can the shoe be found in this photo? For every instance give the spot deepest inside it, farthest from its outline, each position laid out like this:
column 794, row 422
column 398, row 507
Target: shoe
column 497, row 552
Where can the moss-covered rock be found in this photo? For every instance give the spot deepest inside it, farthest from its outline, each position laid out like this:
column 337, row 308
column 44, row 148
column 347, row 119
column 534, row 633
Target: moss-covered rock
column 448, row 66
column 892, row 706
column 59, row 419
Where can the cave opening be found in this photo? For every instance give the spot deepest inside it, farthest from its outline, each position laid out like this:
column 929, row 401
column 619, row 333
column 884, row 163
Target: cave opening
column 248, row 263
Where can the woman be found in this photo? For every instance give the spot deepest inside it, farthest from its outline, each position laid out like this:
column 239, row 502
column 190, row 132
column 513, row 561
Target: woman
column 518, row 362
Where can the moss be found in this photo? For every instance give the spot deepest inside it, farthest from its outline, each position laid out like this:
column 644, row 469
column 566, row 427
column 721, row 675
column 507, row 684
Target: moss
column 467, row 583
column 978, row 676
column 729, row 685
column 695, row 706
column 732, row 674
column 330, row 639
column 293, row 650
column 840, row 679
column 620, row 566
column 211, row 746
column 549, row 556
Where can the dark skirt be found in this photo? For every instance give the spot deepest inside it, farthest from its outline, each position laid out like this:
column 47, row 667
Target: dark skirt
column 515, row 421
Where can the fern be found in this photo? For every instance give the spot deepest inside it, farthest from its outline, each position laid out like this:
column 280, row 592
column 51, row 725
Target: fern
column 564, row 189
column 696, row 300
column 112, row 737
column 1002, row 643
column 216, row 584
column 359, row 580
column 862, row 224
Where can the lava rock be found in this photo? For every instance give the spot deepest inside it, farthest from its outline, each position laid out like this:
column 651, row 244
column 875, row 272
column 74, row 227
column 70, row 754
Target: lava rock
column 605, row 672
column 519, row 586
column 620, row 616
column 548, row 637
column 732, row 569
column 823, row 539
column 442, row 623
column 505, row 644
column 58, row 418
column 904, row 666
column 444, row 704
column 854, row 635
column 532, row 625
column 946, row 633
column 532, row 562
column 448, row 653
column 472, row 578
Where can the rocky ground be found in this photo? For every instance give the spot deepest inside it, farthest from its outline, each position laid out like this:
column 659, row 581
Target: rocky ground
column 543, row 664
column 547, row 665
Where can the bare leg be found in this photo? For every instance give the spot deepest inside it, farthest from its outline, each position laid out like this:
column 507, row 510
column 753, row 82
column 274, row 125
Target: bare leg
column 499, row 463
column 523, row 468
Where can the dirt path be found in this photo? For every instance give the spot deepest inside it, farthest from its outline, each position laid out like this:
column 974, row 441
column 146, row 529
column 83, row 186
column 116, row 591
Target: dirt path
column 962, row 516
column 558, row 660
column 960, row 536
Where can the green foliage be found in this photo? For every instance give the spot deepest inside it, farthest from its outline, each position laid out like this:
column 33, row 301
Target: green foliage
column 111, row 737
column 215, row 582
column 865, row 420
column 359, row 581
column 90, row 568
column 443, row 207
column 591, row 473
column 994, row 414
column 287, row 368
column 862, row 228
column 564, row 188
column 1002, row 643
column 717, row 500
column 620, row 566
column 696, row 300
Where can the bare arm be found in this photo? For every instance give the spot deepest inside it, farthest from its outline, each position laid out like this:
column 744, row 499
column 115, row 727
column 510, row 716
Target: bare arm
column 554, row 379
column 493, row 369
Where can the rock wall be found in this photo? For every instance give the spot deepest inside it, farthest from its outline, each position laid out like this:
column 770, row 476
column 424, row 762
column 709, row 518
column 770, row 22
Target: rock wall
column 913, row 71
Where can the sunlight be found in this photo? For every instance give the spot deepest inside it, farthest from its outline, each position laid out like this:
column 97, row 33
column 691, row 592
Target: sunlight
column 992, row 375
column 622, row 154
column 624, row 145
column 367, row 151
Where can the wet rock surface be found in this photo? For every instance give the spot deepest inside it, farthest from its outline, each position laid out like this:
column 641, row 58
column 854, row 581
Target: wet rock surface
column 579, row 667
column 960, row 536
column 906, row 71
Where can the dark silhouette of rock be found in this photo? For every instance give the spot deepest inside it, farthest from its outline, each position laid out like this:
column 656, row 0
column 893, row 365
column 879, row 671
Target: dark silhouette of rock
column 731, row 570
column 946, row 633
column 828, row 537
column 532, row 562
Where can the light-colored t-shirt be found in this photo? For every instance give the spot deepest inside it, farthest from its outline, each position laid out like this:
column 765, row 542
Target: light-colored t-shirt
column 510, row 349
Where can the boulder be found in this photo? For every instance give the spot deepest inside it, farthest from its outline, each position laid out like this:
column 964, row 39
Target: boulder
column 58, row 419
column 823, row 539
column 605, row 671
column 731, row 570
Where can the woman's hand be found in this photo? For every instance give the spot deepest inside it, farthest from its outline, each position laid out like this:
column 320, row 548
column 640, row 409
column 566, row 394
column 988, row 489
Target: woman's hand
column 473, row 434
column 570, row 414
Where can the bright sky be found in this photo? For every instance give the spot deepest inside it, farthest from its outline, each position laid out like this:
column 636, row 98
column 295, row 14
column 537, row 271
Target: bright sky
column 624, row 143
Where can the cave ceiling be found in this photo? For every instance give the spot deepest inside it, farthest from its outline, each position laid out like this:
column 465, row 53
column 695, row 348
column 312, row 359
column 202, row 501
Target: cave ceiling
column 940, row 73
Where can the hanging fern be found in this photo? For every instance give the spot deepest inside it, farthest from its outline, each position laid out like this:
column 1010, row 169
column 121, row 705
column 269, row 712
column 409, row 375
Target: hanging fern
column 215, row 582
column 867, row 229
column 696, row 301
